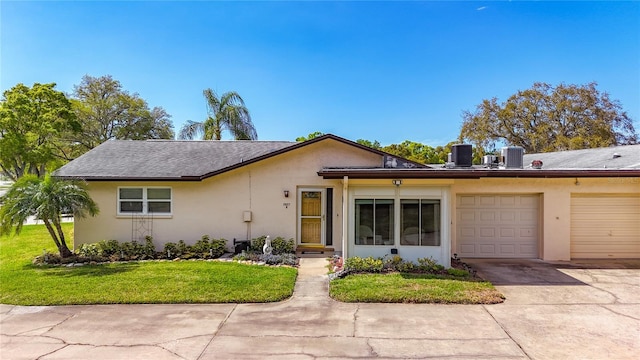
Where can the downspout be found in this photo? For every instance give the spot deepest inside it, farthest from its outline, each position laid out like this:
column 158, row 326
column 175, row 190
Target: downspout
column 345, row 215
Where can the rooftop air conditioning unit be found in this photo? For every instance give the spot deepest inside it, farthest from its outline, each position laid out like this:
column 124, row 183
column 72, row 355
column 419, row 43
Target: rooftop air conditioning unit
column 461, row 155
column 513, row 157
column 490, row 161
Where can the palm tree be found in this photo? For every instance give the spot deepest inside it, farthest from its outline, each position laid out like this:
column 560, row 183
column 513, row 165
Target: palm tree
column 47, row 199
column 226, row 112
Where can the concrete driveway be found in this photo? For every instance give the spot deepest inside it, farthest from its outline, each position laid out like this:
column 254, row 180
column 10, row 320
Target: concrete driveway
column 552, row 311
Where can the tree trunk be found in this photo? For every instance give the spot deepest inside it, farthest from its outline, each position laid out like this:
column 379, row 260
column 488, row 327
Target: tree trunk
column 63, row 243
column 62, row 248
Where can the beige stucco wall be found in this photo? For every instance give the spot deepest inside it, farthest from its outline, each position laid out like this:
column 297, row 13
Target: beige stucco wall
column 215, row 206
column 555, row 203
column 555, row 200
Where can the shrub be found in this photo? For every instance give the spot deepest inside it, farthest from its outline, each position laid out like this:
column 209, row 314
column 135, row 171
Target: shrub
column 202, row 246
column 368, row 264
column 271, row 259
column 429, row 265
column 149, row 249
column 218, row 247
column 406, row 266
column 109, row 248
column 182, row 247
column 279, row 245
column 284, row 259
column 205, row 248
column 47, row 258
column 392, row 262
column 170, row 251
column 90, row 251
column 247, row 256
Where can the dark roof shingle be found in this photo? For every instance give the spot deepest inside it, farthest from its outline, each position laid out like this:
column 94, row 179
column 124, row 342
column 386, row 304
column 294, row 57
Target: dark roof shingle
column 165, row 159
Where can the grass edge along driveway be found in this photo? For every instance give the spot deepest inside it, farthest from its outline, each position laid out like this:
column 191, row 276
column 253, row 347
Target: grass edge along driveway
column 413, row 288
column 22, row 283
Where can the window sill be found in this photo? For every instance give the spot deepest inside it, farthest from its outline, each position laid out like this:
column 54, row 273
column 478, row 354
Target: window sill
column 148, row 216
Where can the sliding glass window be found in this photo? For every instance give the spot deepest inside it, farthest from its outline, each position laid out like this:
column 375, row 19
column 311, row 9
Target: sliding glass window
column 374, row 221
column 420, row 222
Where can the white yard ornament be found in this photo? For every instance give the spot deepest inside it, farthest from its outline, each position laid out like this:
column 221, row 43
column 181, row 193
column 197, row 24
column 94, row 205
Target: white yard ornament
column 267, row 249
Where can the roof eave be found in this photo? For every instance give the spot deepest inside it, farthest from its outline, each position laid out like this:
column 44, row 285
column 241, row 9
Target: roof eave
column 130, row 178
column 473, row 173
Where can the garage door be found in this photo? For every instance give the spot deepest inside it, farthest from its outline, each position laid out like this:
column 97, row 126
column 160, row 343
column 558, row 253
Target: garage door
column 605, row 226
column 497, row 226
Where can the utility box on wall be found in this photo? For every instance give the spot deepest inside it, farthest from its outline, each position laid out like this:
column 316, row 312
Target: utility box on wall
column 246, row 216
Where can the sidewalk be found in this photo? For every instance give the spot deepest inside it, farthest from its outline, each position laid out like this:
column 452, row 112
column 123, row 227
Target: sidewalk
column 310, row 325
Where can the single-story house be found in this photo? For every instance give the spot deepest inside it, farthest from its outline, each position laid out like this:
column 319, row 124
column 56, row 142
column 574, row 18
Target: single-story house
column 330, row 192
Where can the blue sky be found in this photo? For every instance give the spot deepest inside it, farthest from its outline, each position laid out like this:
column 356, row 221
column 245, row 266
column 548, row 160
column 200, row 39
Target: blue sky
column 386, row 71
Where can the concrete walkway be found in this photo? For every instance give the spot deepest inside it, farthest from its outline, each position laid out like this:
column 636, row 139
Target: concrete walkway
column 598, row 319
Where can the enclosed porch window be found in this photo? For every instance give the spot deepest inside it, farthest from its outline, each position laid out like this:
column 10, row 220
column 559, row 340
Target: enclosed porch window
column 374, row 221
column 420, row 222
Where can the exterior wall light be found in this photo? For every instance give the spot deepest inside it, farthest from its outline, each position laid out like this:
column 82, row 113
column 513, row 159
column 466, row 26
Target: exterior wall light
column 397, row 182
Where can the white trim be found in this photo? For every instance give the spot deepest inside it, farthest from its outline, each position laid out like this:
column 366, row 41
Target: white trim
column 441, row 253
column 345, row 217
column 145, row 201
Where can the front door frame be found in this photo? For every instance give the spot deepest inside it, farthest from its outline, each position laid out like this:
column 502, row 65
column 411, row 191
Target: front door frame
column 323, row 213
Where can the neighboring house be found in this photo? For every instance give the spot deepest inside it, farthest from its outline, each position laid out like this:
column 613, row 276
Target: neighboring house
column 332, row 192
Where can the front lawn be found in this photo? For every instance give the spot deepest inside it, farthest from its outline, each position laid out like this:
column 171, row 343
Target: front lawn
column 413, row 288
column 22, row 283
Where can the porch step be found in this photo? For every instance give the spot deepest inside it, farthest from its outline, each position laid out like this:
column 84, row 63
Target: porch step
column 314, row 251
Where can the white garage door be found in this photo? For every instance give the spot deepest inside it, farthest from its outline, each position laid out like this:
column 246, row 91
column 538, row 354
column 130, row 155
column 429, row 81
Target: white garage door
column 497, row 226
column 605, row 226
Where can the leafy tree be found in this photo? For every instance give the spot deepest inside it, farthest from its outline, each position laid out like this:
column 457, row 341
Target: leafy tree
column 106, row 112
column 374, row 145
column 414, row 151
column 47, row 199
column 33, row 124
column 313, row 135
column 225, row 112
column 546, row 118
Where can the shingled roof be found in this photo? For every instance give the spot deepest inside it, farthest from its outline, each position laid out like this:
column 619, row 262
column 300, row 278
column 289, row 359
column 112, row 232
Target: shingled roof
column 183, row 160
column 614, row 157
column 166, row 159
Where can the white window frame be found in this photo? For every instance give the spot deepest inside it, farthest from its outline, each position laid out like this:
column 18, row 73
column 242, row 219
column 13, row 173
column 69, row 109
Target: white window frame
column 374, row 198
column 145, row 201
column 420, row 199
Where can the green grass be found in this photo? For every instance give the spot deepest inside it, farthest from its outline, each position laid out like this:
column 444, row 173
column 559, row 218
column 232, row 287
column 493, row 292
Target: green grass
column 22, row 283
column 413, row 288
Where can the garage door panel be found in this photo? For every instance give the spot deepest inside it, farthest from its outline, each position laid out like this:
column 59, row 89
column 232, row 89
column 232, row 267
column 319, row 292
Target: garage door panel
column 507, row 232
column 508, row 249
column 605, row 226
column 487, row 216
column 467, row 216
column 488, row 201
column 507, row 216
column 465, row 200
column 487, row 233
column 528, row 216
column 503, row 226
column 507, row 201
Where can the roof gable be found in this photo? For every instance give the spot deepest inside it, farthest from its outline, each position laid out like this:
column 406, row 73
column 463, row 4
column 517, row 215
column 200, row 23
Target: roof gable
column 180, row 160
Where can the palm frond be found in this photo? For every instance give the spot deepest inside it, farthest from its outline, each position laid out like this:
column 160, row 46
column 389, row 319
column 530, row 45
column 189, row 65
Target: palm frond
column 191, row 130
column 213, row 102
